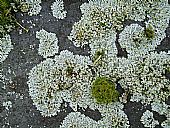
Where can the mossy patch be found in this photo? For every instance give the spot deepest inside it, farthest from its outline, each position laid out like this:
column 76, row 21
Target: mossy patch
column 103, row 90
column 97, row 58
column 8, row 21
column 150, row 32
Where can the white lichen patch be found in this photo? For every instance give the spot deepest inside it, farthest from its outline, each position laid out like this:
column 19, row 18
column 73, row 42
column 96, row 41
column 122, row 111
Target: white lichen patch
column 166, row 123
column 58, row 9
column 148, row 120
column 55, row 80
column 158, row 14
column 48, row 43
column 34, row 7
column 120, row 120
column 102, row 51
column 161, row 108
column 69, row 77
column 5, row 47
column 98, row 20
column 78, row 120
column 101, row 17
column 151, row 9
column 146, row 79
column 7, row 105
column 113, row 116
column 135, row 40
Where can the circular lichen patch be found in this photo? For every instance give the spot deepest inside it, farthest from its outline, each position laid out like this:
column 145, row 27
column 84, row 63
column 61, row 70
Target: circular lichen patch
column 103, row 90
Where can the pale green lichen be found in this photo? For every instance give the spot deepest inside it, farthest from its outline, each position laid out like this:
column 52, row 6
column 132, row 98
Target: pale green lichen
column 78, row 120
column 72, row 78
column 148, row 120
column 58, row 9
column 34, row 7
column 48, row 43
column 145, row 80
column 139, row 41
column 49, row 82
column 5, row 47
column 97, row 21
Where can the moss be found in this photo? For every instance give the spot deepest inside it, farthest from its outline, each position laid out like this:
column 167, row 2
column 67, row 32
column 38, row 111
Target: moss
column 69, row 70
column 8, row 8
column 103, row 90
column 99, row 54
column 149, row 32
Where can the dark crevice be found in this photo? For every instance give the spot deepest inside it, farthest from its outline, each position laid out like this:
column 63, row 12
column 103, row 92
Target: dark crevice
column 121, row 51
column 68, row 2
column 164, row 45
column 159, row 117
column 119, row 88
column 134, row 111
column 168, row 101
column 49, row 121
column 95, row 115
column 129, row 22
column 167, row 74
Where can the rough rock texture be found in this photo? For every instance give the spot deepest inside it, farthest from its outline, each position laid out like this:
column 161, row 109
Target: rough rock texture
column 25, row 56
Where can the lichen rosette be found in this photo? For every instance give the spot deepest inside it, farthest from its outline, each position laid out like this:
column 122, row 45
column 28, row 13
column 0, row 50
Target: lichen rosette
column 53, row 80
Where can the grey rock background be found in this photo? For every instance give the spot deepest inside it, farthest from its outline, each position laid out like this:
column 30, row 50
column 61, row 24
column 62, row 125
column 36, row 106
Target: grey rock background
column 24, row 57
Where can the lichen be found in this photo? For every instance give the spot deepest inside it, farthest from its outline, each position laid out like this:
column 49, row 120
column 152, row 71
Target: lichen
column 98, row 20
column 58, row 9
column 34, row 7
column 139, row 41
column 7, row 105
column 145, row 80
column 89, row 81
column 5, row 47
column 48, row 43
column 166, row 123
column 148, row 120
column 49, row 82
column 78, row 120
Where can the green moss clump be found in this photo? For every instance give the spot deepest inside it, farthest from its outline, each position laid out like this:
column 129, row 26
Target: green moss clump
column 8, row 21
column 149, row 32
column 103, row 90
column 5, row 19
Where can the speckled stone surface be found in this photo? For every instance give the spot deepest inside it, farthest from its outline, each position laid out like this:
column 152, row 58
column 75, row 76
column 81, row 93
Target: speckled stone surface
column 24, row 57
